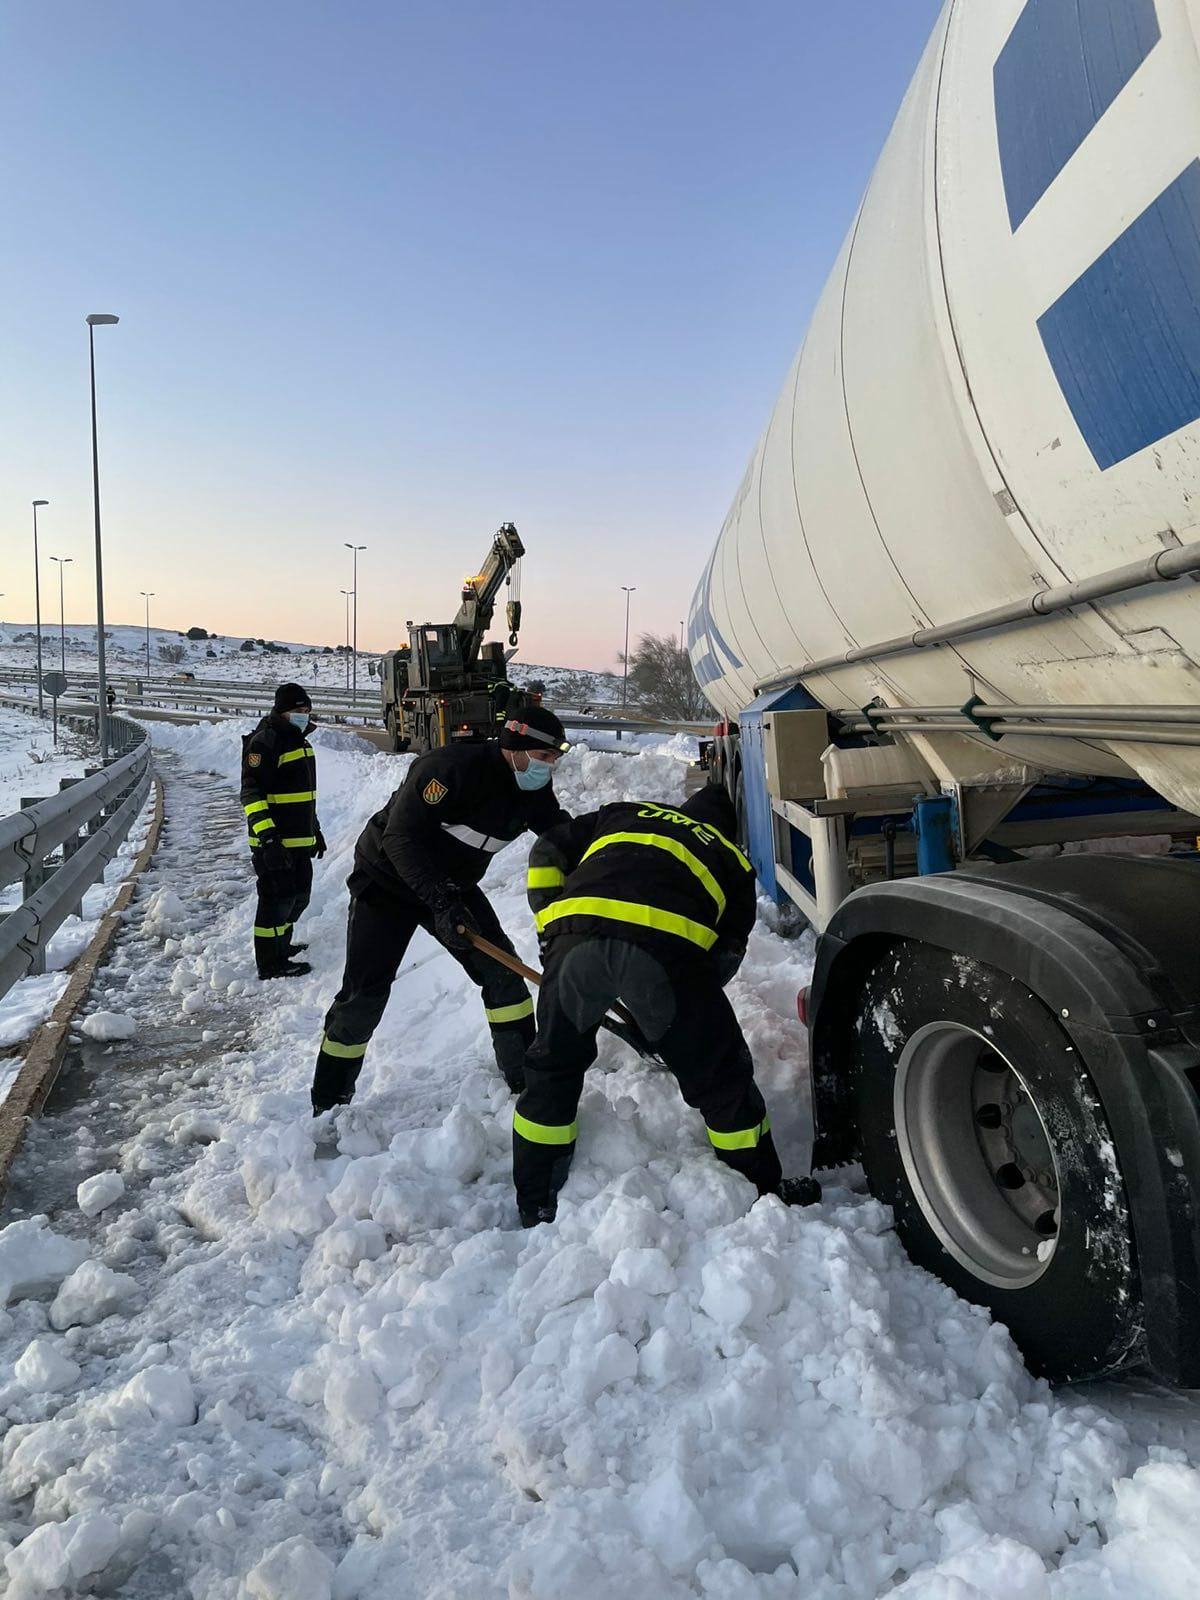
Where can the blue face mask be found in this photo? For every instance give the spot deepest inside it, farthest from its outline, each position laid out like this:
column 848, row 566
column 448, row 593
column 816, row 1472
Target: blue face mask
column 536, row 775
column 299, row 719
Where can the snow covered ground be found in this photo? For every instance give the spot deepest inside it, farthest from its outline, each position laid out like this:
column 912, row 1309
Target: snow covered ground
column 245, row 1373
column 30, row 766
column 126, row 655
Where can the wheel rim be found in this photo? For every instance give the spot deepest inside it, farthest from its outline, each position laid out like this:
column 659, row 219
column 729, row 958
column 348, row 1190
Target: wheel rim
column 977, row 1154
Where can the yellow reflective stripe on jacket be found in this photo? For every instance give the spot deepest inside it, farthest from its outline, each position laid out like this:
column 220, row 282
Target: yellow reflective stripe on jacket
column 544, row 1132
column 544, row 878
column 255, row 805
column 743, row 1139
column 294, row 755
column 627, row 911
column 291, row 799
column 675, row 847
column 523, row 1008
column 263, row 824
column 298, row 844
column 348, row 1052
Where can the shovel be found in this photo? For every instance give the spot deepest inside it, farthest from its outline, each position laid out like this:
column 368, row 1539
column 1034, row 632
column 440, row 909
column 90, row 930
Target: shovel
column 622, row 1024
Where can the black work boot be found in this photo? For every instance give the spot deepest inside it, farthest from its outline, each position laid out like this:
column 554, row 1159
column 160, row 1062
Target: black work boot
column 288, row 969
column 295, row 949
column 799, row 1191
column 532, row 1215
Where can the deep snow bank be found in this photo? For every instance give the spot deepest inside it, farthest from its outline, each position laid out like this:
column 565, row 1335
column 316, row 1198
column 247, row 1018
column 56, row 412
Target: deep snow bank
column 359, row 1378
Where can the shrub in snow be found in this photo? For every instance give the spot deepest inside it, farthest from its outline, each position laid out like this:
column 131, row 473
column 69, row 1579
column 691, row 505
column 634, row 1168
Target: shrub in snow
column 107, row 1025
column 167, row 1394
column 91, row 1293
column 94, row 1193
column 34, row 1260
column 43, row 1368
column 293, row 1570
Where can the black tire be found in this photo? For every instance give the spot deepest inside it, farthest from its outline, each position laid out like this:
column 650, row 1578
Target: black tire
column 934, row 1033
column 394, row 731
column 739, row 806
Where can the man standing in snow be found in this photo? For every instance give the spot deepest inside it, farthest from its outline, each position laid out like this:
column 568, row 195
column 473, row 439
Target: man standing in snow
column 279, row 796
column 651, row 905
column 417, row 864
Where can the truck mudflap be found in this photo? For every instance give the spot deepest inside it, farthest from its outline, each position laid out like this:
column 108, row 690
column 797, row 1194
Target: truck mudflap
column 1109, row 945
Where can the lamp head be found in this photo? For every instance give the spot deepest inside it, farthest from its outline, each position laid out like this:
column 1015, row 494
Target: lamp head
column 101, row 319
column 41, row 502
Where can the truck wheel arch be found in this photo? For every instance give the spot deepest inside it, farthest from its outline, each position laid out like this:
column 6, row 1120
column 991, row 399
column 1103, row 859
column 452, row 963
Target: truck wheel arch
column 1112, row 980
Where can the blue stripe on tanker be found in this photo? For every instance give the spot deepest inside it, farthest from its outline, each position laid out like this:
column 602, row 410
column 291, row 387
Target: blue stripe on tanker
column 1062, row 66
column 1124, row 339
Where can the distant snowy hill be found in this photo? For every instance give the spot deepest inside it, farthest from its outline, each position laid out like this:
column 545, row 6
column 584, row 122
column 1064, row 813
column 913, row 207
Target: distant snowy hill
column 225, row 658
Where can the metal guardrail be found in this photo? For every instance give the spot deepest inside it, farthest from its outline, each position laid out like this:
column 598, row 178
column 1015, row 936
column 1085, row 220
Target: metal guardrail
column 105, row 804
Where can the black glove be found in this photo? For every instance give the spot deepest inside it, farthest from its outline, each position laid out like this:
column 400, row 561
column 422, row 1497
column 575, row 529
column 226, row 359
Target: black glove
column 448, row 918
column 274, row 859
column 321, row 845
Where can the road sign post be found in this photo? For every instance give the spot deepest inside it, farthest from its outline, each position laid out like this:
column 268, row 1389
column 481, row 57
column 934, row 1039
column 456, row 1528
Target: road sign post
column 55, row 683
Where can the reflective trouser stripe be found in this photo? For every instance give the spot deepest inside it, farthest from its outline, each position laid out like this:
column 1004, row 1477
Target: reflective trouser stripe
column 263, row 824
column 544, row 1133
column 743, row 1139
column 675, row 847
column 627, row 911
column 300, row 844
column 255, row 805
column 291, row 799
column 523, row 1008
column 348, row 1052
column 294, row 755
column 544, row 878
column 271, row 933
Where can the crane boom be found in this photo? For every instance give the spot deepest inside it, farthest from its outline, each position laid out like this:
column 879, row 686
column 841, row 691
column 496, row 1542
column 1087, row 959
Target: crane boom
column 479, row 594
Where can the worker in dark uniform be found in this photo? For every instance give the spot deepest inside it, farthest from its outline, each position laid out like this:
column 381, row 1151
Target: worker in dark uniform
column 279, row 796
column 651, row 905
column 417, row 864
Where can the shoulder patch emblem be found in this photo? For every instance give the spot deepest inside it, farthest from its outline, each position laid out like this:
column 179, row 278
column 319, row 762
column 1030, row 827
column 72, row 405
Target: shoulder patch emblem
column 433, row 792
column 254, row 759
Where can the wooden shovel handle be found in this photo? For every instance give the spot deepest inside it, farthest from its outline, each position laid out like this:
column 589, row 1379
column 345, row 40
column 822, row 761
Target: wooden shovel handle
column 487, row 948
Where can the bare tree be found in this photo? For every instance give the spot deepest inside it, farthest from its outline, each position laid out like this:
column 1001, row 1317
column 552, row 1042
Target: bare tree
column 661, row 680
column 172, row 652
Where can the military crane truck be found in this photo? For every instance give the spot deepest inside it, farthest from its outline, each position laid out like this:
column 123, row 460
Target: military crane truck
column 446, row 685
column 952, row 632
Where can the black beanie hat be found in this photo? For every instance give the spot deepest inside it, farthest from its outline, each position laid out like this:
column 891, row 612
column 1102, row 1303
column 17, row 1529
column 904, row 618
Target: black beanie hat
column 291, row 697
column 712, row 805
column 533, row 728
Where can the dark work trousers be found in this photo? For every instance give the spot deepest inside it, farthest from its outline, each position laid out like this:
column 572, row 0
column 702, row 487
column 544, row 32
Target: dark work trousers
column 377, row 935
column 282, row 901
column 681, row 1008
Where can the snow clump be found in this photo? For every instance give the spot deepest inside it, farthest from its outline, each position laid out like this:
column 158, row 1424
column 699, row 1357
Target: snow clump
column 34, row 1259
column 108, row 1025
column 91, row 1293
column 43, row 1369
column 293, row 1570
column 95, row 1193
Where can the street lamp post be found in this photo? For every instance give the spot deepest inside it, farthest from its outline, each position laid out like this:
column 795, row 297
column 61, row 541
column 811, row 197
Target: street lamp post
column 625, row 679
column 37, row 601
column 148, row 595
column 347, row 593
column 62, row 561
column 354, row 681
column 98, row 320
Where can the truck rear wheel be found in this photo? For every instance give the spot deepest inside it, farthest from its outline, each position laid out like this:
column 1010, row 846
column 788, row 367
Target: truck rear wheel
column 980, row 1127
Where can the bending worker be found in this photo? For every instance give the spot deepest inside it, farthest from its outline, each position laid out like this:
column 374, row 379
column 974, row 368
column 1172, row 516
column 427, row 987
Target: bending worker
column 650, row 905
column 279, row 795
column 417, row 864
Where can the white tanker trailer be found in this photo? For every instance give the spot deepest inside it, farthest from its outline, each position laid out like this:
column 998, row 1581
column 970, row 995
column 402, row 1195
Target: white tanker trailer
column 952, row 628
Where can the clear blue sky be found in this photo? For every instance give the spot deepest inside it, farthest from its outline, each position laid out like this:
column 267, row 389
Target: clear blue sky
column 397, row 272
